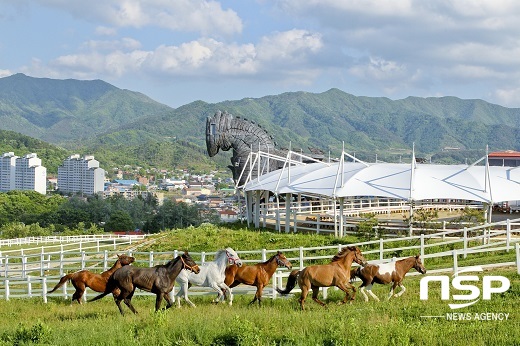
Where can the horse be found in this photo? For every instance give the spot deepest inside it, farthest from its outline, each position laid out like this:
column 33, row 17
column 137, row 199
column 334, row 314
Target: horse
column 256, row 275
column 392, row 272
column 97, row 282
column 159, row 279
column 336, row 273
column 211, row 275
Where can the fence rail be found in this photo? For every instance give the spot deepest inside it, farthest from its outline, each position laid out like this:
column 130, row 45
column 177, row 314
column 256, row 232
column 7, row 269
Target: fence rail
column 34, row 274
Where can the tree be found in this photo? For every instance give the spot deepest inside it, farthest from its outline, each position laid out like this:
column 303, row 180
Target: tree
column 119, row 220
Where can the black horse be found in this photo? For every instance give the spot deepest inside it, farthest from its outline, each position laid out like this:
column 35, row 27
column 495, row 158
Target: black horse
column 159, row 280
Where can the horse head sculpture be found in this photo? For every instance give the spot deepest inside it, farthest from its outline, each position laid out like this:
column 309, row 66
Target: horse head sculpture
column 226, row 132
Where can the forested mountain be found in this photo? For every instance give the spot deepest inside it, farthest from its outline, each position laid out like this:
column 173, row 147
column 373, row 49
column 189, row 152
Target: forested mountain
column 120, row 125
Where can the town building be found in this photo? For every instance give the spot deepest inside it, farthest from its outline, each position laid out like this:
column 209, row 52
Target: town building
column 508, row 158
column 22, row 173
column 81, row 175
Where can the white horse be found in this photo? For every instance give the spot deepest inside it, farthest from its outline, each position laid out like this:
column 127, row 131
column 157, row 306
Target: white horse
column 211, row 274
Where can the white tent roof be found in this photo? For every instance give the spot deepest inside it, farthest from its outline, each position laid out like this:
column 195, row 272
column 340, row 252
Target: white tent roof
column 393, row 180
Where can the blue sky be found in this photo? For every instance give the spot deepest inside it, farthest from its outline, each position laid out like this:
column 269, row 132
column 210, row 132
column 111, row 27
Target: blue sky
column 180, row 51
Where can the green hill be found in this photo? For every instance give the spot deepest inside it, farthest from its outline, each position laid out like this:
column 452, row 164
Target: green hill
column 121, row 126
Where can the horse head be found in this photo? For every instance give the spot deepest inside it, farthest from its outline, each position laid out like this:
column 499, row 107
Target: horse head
column 232, row 257
column 358, row 256
column 217, row 127
column 189, row 263
column 282, row 261
column 418, row 265
column 125, row 259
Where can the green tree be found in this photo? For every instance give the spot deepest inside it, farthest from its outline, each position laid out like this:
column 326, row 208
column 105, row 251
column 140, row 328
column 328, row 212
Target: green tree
column 119, row 220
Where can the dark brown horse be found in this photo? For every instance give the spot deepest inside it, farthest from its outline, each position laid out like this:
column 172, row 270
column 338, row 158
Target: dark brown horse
column 336, row 273
column 97, row 282
column 159, row 280
column 256, row 275
column 392, row 272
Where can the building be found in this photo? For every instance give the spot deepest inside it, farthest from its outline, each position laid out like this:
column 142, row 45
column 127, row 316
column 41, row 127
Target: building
column 7, row 171
column 81, row 175
column 22, row 173
column 508, row 158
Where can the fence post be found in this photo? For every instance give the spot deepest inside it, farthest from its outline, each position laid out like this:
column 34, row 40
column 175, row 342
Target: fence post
column 105, row 260
column 301, row 257
column 150, row 259
column 381, row 245
column 422, row 248
column 114, row 240
column 97, row 245
column 465, row 242
column 518, row 258
column 1, row 259
column 24, row 266
column 455, row 264
column 264, row 255
column 42, row 260
column 6, row 266
column 7, row 289
column 29, row 286
column 508, row 234
column 276, row 273
column 80, row 244
column 82, row 259
column 44, row 289
column 203, row 257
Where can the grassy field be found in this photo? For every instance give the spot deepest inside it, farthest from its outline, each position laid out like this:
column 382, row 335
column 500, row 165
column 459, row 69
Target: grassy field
column 399, row 321
column 278, row 322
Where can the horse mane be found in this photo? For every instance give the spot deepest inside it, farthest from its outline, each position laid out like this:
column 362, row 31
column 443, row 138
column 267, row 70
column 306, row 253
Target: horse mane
column 342, row 253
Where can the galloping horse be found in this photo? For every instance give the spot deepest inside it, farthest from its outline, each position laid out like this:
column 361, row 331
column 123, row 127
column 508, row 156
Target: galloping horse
column 392, row 272
column 97, row 282
column 336, row 273
column 256, row 275
column 211, row 275
column 159, row 280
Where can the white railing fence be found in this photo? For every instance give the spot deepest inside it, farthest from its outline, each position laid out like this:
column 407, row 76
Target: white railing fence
column 31, row 275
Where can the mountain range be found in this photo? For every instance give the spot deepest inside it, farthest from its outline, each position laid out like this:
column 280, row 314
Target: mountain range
column 125, row 127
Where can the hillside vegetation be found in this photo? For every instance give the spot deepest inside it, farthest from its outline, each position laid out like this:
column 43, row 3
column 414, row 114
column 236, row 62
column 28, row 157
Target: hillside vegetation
column 97, row 118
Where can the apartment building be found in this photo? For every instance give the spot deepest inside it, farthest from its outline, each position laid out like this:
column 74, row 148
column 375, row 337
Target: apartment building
column 81, row 175
column 22, row 173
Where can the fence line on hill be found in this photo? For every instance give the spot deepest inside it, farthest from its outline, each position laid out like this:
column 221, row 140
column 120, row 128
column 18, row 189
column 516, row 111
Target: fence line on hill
column 17, row 272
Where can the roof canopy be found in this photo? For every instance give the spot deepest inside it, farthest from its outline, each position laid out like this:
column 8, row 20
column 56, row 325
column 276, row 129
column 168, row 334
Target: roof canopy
column 394, row 180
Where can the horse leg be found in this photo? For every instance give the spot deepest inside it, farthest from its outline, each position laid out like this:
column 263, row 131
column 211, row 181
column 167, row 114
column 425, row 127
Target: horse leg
column 345, row 287
column 258, row 295
column 303, row 295
column 315, row 292
column 169, row 301
column 369, row 290
column 80, row 289
column 158, row 299
column 128, row 302
column 118, row 303
column 394, row 285
column 183, row 292
column 362, row 290
column 403, row 289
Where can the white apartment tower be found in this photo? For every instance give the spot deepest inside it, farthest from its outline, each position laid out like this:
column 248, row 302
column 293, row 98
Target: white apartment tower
column 7, row 171
column 29, row 174
column 81, row 175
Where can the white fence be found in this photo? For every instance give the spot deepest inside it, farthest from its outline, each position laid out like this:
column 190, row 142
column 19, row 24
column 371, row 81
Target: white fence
column 33, row 275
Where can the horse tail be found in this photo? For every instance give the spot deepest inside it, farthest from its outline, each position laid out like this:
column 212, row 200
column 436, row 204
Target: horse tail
column 291, row 282
column 63, row 280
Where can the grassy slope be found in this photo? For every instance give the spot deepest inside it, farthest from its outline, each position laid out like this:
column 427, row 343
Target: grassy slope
column 279, row 322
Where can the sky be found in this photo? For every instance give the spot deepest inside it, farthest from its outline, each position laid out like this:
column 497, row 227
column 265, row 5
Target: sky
column 180, row 51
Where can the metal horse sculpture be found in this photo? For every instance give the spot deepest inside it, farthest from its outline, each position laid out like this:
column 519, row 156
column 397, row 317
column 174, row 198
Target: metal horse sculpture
column 97, row 282
column 392, row 272
column 224, row 131
column 159, row 280
column 211, row 275
column 256, row 275
column 336, row 273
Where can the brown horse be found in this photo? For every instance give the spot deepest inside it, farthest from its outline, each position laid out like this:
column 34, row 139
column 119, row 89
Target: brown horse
column 336, row 273
column 97, row 282
column 159, row 280
column 392, row 272
column 256, row 275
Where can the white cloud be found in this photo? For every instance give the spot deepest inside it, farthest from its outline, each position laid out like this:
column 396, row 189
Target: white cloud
column 508, row 97
column 106, row 31
column 203, row 16
column 5, row 73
